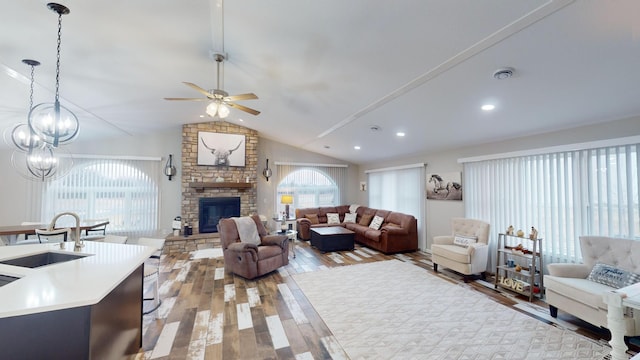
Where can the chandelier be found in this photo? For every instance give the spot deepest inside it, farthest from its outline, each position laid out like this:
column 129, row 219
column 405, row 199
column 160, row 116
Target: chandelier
column 22, row 136
column 32, row 158
column 51, row 122
column 42, row 164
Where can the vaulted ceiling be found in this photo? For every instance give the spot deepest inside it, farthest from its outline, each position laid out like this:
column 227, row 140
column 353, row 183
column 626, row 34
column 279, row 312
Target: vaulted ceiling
column 327, row 72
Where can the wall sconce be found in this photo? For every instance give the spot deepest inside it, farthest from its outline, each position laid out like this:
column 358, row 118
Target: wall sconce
column 169, row 169
column 267, row 172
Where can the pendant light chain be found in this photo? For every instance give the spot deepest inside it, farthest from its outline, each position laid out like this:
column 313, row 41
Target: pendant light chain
column 33, row 71
column 58, row 58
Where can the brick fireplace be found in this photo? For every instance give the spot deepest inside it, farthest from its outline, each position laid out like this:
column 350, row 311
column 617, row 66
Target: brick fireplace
column 199, row 181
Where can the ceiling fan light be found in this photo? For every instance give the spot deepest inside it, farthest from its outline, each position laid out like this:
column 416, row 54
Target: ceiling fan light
column 217, row 109
column 223, row 111
column 212, row 109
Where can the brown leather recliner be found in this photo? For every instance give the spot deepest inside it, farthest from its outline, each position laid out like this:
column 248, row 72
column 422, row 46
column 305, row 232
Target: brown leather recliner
column 249, row 260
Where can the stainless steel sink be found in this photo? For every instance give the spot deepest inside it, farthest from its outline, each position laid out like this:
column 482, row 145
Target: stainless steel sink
column 42, row 259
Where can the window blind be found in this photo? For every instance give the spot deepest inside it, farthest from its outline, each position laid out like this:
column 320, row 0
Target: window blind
column 125, row 191
column 563, row 194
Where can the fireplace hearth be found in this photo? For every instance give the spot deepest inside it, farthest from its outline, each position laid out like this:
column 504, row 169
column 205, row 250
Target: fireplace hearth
column 212, row 209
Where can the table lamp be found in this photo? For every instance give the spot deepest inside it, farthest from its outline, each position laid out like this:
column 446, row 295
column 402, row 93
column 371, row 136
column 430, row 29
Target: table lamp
column 286, row 200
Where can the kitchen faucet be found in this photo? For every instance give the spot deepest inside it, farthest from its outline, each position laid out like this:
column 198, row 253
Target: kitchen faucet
column 78, row 241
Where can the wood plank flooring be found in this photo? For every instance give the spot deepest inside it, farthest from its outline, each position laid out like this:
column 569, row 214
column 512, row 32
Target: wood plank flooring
column 209, row 314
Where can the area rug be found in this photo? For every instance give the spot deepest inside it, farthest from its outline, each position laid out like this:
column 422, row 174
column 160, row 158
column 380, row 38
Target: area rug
column 206, row 253
column 396, row 310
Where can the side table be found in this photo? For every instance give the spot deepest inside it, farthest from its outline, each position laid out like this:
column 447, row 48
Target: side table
column 617, row 301
column 290, row 222
column 292, row 235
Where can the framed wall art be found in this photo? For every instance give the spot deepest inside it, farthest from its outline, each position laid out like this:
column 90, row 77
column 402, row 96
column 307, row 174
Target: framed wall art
column 217, row 149
column 444, row 186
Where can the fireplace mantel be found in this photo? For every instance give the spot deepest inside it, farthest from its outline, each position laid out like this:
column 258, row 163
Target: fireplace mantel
column 200, row 186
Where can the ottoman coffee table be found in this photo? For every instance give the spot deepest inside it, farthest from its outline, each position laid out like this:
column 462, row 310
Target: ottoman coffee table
column 332, row 238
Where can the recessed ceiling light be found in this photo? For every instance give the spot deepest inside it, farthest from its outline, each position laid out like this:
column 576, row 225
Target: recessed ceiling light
column 357, row 147
column 488, row 107
column 201, row 116
column 400, row 134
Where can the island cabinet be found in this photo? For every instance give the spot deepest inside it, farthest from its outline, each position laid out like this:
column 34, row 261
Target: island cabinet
column 519, row 265
column 89, row 308
column 109, row 329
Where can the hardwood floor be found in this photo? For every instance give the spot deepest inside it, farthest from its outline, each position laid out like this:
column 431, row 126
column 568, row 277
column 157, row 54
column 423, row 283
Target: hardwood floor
column 209, row 314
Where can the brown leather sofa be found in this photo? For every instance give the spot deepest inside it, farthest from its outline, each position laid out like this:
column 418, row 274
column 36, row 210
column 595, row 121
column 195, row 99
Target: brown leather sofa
column 398, row 233
column 250, row 260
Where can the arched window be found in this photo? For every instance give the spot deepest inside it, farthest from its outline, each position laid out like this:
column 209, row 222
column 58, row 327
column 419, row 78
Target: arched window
column 122, row 191
column 310, row 187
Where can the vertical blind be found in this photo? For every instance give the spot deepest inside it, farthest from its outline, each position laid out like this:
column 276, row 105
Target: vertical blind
column 311, row 185
column 398, row 189
column 563, row 194
column 123, row 191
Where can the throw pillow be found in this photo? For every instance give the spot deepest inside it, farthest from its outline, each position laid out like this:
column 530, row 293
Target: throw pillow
column 464, row 240
column 313, row 218
column 333, row 218
column 365, row 219
column 350, row 217
column 612, row 276
column 376, row 222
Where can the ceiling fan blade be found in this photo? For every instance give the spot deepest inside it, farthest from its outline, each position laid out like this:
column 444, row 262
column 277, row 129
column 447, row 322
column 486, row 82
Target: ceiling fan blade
column 199, row 89
column 243, row 108
column 189, row 99
column 249, row 96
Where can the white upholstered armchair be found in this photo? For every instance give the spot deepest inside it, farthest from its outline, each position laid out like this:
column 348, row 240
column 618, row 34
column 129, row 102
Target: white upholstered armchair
column 466, row 250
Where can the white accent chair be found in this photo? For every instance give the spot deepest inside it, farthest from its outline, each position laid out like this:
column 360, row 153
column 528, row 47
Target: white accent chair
column 468, row 260
column 568, row 288
column 152, row 273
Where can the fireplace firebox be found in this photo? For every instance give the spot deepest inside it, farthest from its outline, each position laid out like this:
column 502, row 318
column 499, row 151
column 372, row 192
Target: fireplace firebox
column 213, row 209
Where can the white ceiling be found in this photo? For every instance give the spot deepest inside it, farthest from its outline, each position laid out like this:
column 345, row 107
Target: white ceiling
column 326, row 71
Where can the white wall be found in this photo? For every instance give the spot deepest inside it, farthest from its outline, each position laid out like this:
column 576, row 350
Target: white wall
column 16, row 205
column 439, row 212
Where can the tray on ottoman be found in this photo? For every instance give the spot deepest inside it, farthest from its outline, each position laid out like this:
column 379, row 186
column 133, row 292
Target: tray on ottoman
column 332, row 238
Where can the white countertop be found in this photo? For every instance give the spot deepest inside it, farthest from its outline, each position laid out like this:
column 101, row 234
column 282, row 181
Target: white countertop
column 69, row 284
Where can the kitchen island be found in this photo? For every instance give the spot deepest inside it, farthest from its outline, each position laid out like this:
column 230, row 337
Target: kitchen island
column 84, row 308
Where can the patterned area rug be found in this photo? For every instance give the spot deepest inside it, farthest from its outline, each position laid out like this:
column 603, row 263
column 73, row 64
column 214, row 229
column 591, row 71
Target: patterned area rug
column 396, row 310
column 206, row 253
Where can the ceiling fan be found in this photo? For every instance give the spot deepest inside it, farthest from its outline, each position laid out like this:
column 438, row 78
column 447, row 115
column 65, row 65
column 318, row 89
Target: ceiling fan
column 220, row 99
